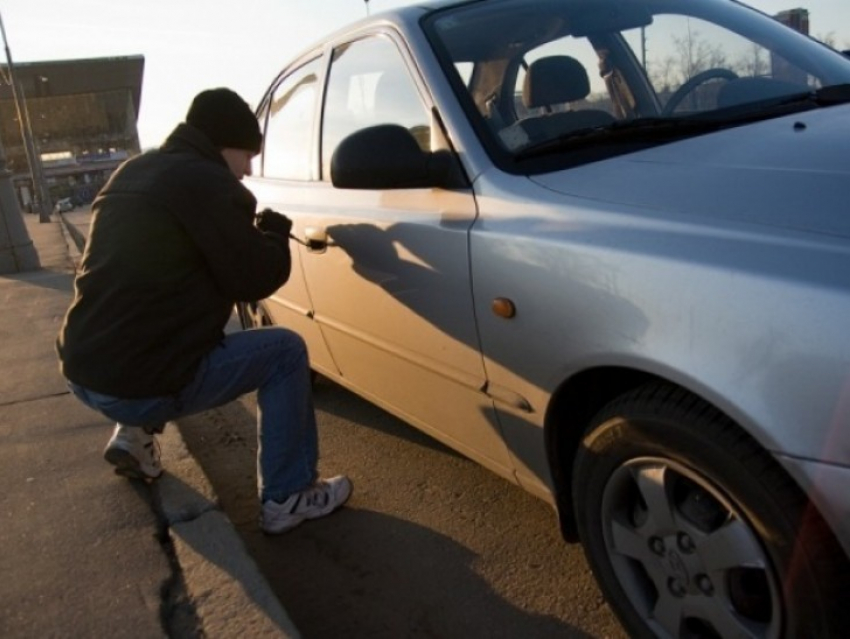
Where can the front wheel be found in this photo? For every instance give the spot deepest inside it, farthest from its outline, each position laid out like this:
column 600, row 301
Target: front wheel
column 692, row 530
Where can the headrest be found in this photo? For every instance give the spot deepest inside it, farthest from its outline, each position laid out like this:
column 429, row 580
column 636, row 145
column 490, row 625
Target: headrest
column 555, row 80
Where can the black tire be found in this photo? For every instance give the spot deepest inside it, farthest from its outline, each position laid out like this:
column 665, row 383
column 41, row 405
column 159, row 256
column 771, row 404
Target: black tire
column 693, row 530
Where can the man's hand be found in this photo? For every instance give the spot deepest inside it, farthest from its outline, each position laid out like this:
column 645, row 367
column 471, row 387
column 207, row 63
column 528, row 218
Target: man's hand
column 273, row 222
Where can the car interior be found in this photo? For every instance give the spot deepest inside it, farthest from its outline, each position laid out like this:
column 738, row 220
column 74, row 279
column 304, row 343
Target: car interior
column 555, row 84
column 558, row 69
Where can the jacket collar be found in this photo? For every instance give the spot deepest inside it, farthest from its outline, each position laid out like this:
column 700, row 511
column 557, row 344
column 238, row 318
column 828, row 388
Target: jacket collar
column 185, row 137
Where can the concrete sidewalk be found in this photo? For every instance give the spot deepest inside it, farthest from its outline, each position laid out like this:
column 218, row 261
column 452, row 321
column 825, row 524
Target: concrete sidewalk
column 86, row 553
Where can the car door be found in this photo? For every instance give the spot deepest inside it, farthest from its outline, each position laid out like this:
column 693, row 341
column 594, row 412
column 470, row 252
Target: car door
column 392, row 291
column 284, row 174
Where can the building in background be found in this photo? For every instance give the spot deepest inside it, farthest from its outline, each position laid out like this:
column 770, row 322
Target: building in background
column 83, row 115
column 795, row 18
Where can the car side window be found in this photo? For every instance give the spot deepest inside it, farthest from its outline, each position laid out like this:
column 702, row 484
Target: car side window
column 289, row 132
column 370, row 84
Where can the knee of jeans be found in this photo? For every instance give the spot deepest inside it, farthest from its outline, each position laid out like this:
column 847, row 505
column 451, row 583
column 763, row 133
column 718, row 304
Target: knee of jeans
column 292, row 341
column 292, row 353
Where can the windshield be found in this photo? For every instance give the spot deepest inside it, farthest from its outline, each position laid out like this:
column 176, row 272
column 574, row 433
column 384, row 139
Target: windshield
column 531, row 73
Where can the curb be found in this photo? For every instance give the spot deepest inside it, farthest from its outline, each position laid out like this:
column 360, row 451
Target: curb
column 228, row 594
column 79, row 240
column 74, row 239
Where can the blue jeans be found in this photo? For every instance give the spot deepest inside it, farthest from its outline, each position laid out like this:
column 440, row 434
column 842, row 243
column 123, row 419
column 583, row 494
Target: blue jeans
column 272, row 361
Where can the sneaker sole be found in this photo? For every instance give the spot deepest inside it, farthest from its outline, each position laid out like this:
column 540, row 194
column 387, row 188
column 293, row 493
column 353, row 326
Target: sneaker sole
column 126, row 465
column 297, row 520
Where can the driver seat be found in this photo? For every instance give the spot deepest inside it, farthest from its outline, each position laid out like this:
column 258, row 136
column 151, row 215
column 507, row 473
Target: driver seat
column 554, row 81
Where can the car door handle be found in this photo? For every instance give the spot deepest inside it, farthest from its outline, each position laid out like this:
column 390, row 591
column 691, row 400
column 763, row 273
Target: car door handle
column 315, row 239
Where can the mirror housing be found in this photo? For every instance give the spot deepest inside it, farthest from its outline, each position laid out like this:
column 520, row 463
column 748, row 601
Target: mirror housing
column 387, row 156
column 607, row 17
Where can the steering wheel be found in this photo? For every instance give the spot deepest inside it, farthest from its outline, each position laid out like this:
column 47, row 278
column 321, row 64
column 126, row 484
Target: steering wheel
column 700, row 78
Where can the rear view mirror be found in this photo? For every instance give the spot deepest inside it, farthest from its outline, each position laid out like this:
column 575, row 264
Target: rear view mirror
column 608, row 17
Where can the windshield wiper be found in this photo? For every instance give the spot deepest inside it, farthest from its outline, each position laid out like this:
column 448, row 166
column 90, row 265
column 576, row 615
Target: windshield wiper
column 647, row 130
column 823, row 97
column 657, row 130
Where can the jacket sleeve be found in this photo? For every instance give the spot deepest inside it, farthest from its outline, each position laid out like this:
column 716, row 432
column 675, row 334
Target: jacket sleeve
column 218, row 214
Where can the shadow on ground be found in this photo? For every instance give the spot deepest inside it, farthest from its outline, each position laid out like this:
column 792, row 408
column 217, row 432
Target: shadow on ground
column 431, row 545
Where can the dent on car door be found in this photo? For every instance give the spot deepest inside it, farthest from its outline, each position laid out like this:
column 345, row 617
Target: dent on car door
column 283, row 182
column 391, row 292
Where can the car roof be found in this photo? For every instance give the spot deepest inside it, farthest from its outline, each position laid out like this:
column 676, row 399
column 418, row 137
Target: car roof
column 398, row 16
column 427, row 5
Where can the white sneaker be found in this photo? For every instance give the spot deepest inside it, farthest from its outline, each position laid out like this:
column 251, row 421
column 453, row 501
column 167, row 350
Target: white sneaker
column 134, row 453
column 315, row 501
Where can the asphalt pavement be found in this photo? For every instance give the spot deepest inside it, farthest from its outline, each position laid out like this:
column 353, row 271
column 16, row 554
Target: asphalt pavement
column 83, row 552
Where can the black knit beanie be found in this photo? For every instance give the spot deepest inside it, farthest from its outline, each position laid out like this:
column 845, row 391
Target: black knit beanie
column 226, row 119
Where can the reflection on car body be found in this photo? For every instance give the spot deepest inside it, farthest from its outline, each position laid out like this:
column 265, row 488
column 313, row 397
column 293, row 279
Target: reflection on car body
column 601, row 248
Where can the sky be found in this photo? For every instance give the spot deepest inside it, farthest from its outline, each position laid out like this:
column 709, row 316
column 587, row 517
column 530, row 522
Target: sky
column 192, row 45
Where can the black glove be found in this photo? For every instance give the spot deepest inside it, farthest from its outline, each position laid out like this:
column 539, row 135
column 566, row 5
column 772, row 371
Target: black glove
column 273, row 222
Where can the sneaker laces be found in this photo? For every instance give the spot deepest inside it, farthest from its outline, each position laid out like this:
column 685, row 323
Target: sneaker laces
column 315, row 491
column 154, row 450
column 316, row 495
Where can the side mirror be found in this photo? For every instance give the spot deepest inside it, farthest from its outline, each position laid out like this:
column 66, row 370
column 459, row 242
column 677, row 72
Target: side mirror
column 387, row 156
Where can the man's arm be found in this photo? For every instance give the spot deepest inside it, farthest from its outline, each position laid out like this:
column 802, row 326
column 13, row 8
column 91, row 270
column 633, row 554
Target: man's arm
column 247, row 263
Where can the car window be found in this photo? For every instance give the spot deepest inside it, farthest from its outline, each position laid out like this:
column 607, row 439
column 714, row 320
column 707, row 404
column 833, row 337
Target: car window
column 369, row 84
column 578, row 49
column 675, row 49
column 543, row 83
column 289, row 132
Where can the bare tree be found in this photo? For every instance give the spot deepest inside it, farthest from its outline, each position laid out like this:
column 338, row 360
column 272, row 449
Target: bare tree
column 695, row 55
column 756, row 64
column 828, row 39
column 660, row 73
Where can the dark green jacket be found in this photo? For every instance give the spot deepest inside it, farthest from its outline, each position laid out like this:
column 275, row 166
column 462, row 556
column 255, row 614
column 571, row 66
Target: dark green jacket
column 172, row 247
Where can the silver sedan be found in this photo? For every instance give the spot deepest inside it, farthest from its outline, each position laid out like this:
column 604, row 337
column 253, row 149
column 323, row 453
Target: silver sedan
column 602, row 247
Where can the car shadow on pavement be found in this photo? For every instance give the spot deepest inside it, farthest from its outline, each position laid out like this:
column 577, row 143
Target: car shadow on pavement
column 412, row 554
column 332, row 399
column 362, row 574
